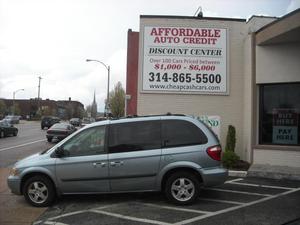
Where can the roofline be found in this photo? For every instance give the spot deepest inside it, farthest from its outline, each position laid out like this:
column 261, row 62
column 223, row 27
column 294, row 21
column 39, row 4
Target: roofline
column 191, row 17
column 278, row 20
column 269, row 17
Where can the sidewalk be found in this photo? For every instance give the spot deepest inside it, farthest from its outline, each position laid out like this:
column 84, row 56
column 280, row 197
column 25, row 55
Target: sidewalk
column 13, row 209
column 274, row 172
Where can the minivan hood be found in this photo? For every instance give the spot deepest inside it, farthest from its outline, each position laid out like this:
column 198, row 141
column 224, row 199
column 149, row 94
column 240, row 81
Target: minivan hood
column 32, row 159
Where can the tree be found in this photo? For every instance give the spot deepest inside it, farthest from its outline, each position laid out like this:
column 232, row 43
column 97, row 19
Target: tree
column 17, row 109
column 230, row 139
column 2, row 108
column 230, row 158
column 88, row 110
column 117, row 101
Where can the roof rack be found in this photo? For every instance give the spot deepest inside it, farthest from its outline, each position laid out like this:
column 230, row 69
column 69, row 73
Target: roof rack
column 136, row 116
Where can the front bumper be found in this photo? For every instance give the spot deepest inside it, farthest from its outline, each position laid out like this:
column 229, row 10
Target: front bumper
column 14, row 184
column 213, row 176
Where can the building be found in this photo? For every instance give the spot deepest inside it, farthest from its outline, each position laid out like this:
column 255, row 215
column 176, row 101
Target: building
column 226, row 71
column 30, row 107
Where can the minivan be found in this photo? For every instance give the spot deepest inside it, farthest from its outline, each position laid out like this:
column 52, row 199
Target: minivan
column 175, row 154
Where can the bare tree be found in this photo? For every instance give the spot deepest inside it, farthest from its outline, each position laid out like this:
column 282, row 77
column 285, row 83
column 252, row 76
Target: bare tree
column 2, row 108
column 117, row 100
column 88, row 110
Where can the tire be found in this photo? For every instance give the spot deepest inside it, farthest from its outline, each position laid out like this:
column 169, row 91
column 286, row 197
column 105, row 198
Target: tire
column 39, row 191
column 49, row 139
column 2, row 134
column 182, row 188
column 15, row 133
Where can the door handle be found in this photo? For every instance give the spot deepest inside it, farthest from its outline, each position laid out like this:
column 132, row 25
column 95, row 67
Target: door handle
column 117, row 163
column 102, row 164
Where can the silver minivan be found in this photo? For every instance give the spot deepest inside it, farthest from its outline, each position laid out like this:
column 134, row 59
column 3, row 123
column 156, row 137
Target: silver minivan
column 175, row 154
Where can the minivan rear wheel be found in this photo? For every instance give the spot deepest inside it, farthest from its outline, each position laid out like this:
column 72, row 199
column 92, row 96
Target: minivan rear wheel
column 182, row 188
column 39, row 191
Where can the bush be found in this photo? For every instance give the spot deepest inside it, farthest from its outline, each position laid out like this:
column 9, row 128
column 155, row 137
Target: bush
column 230, row 159
column 230, row 139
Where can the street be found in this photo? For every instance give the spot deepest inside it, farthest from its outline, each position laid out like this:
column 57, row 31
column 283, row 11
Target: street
column 238, row 201
column 30, row 139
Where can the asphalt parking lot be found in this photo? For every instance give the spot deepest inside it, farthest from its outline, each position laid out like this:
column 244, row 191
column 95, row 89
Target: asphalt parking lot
column 247, row 201
column 238, row 201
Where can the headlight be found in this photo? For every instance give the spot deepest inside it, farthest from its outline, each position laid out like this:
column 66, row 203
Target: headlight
column 14, row 172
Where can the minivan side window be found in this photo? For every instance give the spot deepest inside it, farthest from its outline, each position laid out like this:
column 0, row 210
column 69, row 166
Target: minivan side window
column 177, row 133
column 134, row 136
column 88, row 142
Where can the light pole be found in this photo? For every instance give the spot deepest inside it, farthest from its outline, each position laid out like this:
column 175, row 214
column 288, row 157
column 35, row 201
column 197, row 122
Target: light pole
column 127, row 97
column 108, row 71
column 14, row 94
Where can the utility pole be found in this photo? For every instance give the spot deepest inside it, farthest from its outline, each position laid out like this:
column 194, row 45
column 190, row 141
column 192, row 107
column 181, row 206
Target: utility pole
column 39, row 88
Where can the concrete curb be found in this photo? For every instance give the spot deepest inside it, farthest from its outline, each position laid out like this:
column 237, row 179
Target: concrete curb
column 237, row 173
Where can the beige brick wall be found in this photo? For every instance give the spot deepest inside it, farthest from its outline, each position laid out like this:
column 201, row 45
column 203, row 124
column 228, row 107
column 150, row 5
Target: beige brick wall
column 277, row 157
column 230, row 108
column 278, row 63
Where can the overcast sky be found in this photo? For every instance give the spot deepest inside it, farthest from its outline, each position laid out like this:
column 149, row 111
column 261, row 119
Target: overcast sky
column 53, row 38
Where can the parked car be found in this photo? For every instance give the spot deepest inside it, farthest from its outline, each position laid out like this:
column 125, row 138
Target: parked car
column 87, row 120
column 7, row 129
column 60, row 131
column 12, row 119
column 174, row 154
column 75, row 122
column 48, row 121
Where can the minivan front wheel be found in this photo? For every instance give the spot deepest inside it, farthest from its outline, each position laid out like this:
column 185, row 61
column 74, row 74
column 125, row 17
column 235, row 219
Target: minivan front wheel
column 39, row 191
column 182, row 188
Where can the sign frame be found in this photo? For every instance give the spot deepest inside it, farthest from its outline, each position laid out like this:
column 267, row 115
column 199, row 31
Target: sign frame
column 193, row 26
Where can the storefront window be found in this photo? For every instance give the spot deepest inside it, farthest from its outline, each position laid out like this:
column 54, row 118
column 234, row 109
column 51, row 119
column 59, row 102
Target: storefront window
column 279, row 120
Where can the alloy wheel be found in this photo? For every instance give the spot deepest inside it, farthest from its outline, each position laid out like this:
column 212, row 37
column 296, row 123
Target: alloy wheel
column 38, row 192
column 183, row 189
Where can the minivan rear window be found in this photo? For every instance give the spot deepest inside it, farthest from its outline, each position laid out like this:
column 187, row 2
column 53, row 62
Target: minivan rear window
column 177, row 133
column 134, row 136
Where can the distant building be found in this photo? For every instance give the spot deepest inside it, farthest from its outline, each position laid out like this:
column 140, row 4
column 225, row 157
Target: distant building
column 30, row 107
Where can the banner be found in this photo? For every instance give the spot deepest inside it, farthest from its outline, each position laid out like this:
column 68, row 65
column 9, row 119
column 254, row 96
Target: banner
column 184, row 60
column 214, row 122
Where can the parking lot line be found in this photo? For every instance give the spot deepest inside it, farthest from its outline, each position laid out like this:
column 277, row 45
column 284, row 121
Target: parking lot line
column 258, row 185
column 129, row 217
column 54, row 223
column 236, row 207
column 17, row 146
column 222, row 201
column 235, row 180
column 67, row 214
column 176, row 208
column 108, row 206
column 238, row 192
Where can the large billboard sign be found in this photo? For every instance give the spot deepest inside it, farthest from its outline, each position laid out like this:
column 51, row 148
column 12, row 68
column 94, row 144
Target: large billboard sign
column 184, row 60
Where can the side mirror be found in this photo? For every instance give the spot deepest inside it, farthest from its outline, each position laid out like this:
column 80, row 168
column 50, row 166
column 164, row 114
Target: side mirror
column 59, row 152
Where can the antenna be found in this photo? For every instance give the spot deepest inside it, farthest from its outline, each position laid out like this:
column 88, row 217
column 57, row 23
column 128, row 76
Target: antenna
column 199, row 12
